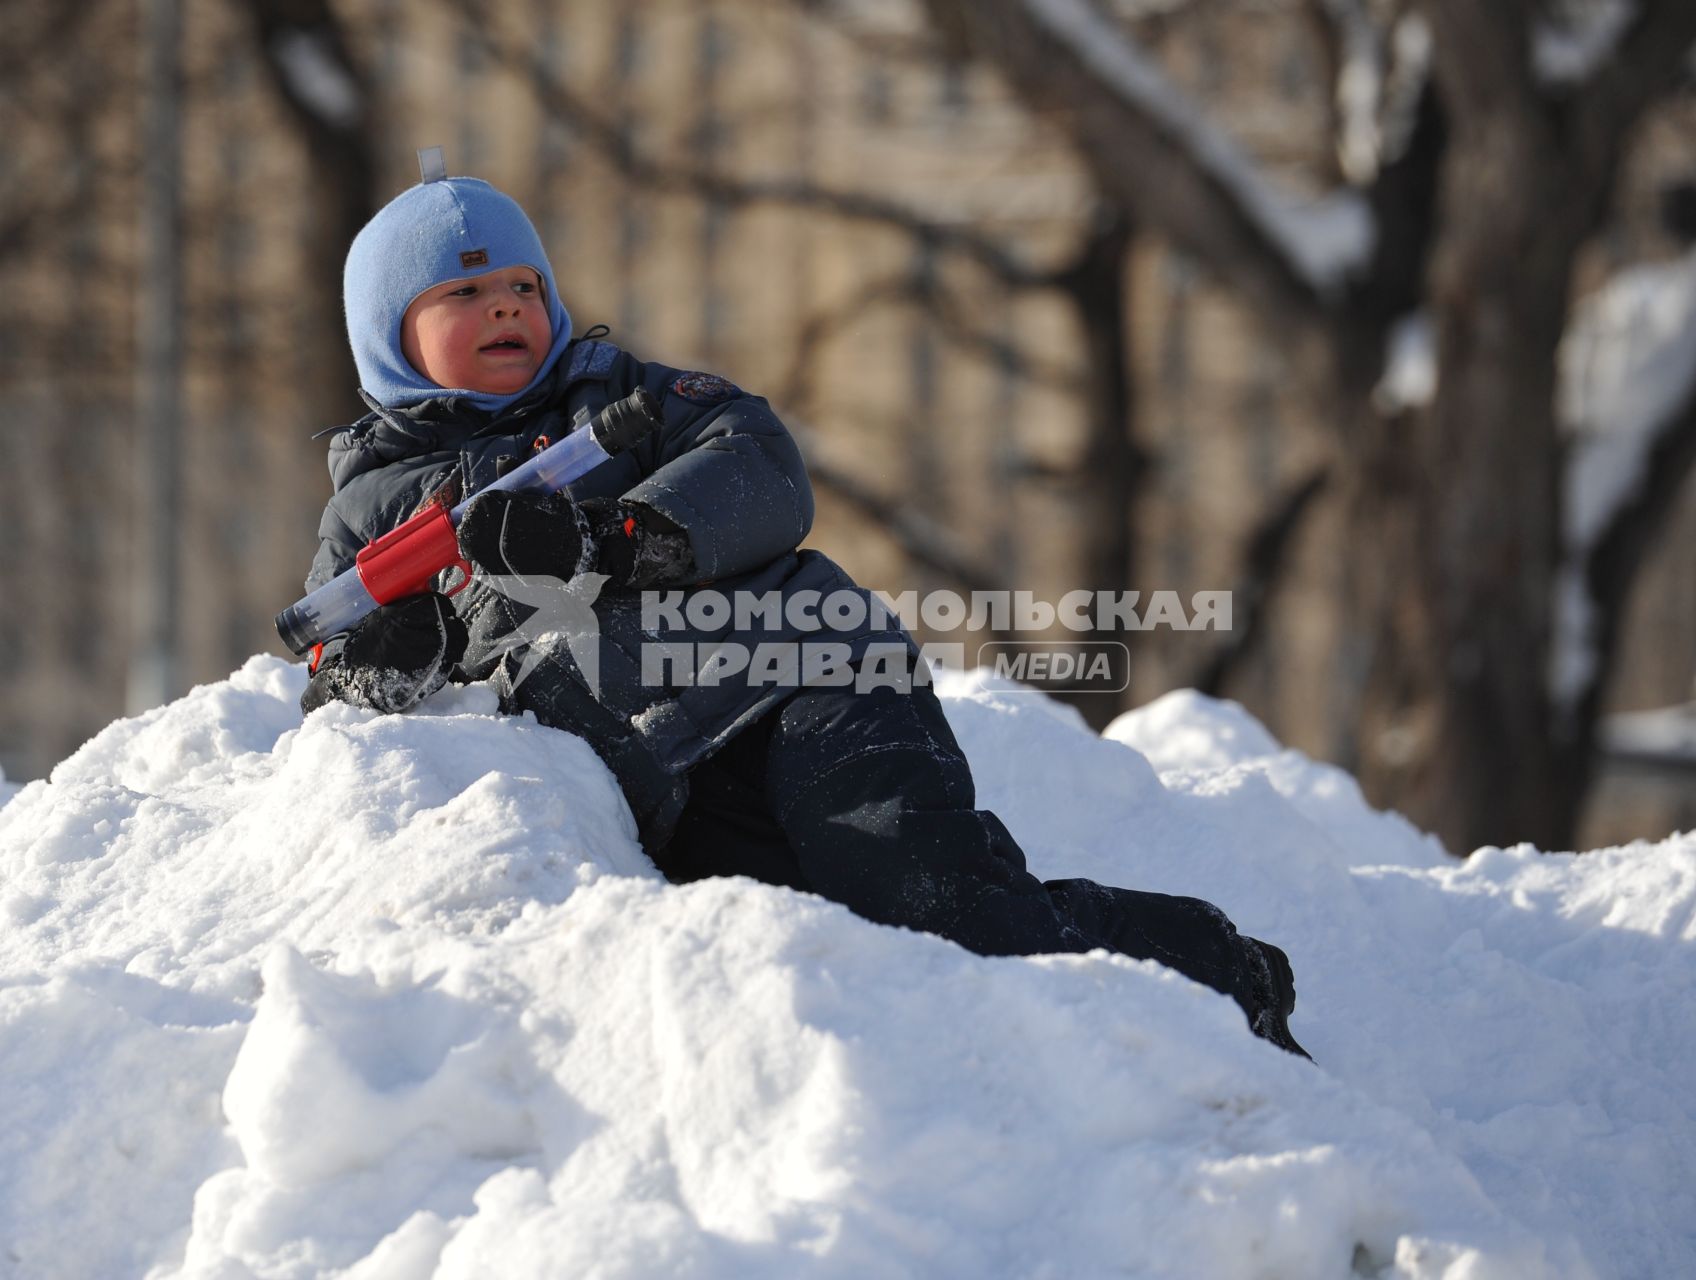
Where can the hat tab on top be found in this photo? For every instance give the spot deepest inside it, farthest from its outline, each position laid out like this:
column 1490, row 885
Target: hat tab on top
column 432, row 164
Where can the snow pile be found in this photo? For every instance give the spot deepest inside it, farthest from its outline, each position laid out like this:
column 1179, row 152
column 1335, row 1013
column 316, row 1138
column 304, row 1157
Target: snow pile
column 394, row 997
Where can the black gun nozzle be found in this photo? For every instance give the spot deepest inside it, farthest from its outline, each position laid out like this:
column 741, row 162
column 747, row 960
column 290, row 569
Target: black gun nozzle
column 627, row 421
column 294, row 625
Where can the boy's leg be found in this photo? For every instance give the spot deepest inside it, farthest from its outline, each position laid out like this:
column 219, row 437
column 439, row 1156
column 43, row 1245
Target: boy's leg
column 878, row 803
column 1195, row 938
column 726, row 828
column 1187, row 934
column 868, row 800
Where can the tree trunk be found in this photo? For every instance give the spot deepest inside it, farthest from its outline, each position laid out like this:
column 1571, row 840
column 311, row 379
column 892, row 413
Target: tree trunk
column 1095, row 286
column 1463, row 505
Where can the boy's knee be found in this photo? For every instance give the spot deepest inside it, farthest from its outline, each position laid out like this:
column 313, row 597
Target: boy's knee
column 877, row 783
column 837, row 748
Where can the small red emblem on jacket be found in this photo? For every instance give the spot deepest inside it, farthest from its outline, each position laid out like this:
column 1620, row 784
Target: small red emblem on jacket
column 705, row 388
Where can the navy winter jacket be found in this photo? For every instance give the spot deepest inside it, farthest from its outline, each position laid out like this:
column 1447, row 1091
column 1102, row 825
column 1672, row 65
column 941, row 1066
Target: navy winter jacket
column 722, row 469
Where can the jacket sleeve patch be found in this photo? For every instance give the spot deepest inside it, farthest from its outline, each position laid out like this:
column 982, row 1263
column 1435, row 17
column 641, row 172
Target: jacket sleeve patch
column 705, row 388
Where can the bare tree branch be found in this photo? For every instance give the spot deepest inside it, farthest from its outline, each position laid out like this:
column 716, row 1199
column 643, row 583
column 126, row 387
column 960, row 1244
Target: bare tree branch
column 920, row 290
column 1151, row 151
column 312, row 66
column 820, row 327
column 1265, row 557
column 1404, row 201
column 1651, row 57
column 1480, row 221
column 1618, row 556
column 23, row 224
column 919, row 49
column 923, row 540
column 56, row 32
column 689, row 177
column 946, row 308
column 1321, row 19
column 310, row 62
column 33, row 84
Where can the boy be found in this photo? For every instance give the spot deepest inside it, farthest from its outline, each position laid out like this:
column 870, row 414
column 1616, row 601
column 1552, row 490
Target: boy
column 467, row 362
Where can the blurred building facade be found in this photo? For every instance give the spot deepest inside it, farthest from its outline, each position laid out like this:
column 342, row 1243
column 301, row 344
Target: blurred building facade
column 848, row 270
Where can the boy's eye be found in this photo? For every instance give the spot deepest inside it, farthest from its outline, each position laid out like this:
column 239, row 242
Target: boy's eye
column 524, row 286
column 464, row 292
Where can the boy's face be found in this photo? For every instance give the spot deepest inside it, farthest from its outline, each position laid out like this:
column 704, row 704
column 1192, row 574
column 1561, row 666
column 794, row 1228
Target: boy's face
column 487, row 333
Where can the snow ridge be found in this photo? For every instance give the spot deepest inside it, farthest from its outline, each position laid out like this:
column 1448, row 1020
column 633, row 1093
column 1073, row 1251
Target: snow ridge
column 400, row 996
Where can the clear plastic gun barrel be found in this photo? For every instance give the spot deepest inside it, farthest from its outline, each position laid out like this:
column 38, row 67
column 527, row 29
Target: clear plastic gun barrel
column 406, row 560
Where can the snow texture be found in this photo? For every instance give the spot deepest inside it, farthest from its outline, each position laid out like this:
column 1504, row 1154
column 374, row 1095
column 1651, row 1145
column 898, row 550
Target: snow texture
column 400, row 996
column 1627, row 364
column 1323, row 240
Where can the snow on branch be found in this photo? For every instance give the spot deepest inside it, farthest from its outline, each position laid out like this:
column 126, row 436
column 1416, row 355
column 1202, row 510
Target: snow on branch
column 1570, row 43
column 1627, row 364
column 1320, row 240
column 1359, row 89
column 316, row 79
column 1627, row 388
column 1410, row 365
column 311, row 63
column 1646, row 56
column 1664, row 738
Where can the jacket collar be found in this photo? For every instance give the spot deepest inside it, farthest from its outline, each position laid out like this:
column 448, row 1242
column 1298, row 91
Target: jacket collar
column 447, row 422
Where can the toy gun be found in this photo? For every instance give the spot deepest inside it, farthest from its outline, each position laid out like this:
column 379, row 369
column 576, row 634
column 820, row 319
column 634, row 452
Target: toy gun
column 406, row 560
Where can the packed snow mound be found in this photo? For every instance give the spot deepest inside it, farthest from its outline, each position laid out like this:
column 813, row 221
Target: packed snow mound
column 401, row 996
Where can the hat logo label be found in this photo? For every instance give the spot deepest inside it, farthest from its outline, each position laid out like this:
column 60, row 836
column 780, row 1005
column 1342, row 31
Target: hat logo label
column 474, row 258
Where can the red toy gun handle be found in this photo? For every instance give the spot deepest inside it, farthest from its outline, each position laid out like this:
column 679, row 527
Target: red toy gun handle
column 404, row 560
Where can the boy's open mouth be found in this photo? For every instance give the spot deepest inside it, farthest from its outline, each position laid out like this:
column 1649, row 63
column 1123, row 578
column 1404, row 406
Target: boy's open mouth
column 506, row 342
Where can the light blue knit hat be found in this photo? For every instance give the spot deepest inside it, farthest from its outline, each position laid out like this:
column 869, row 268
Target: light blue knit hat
column 443, row 229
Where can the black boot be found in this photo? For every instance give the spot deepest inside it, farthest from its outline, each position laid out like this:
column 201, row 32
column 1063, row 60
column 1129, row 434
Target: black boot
column 1274, row 995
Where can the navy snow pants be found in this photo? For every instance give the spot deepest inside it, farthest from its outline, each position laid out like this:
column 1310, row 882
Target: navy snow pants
column 867, row 799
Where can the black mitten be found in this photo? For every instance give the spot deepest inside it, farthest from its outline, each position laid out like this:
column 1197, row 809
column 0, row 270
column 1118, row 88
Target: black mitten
column 635, row 546
column 395, row 658
column 524, row 534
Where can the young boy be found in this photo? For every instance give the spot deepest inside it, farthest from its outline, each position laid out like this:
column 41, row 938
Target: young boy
column 467, row 362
